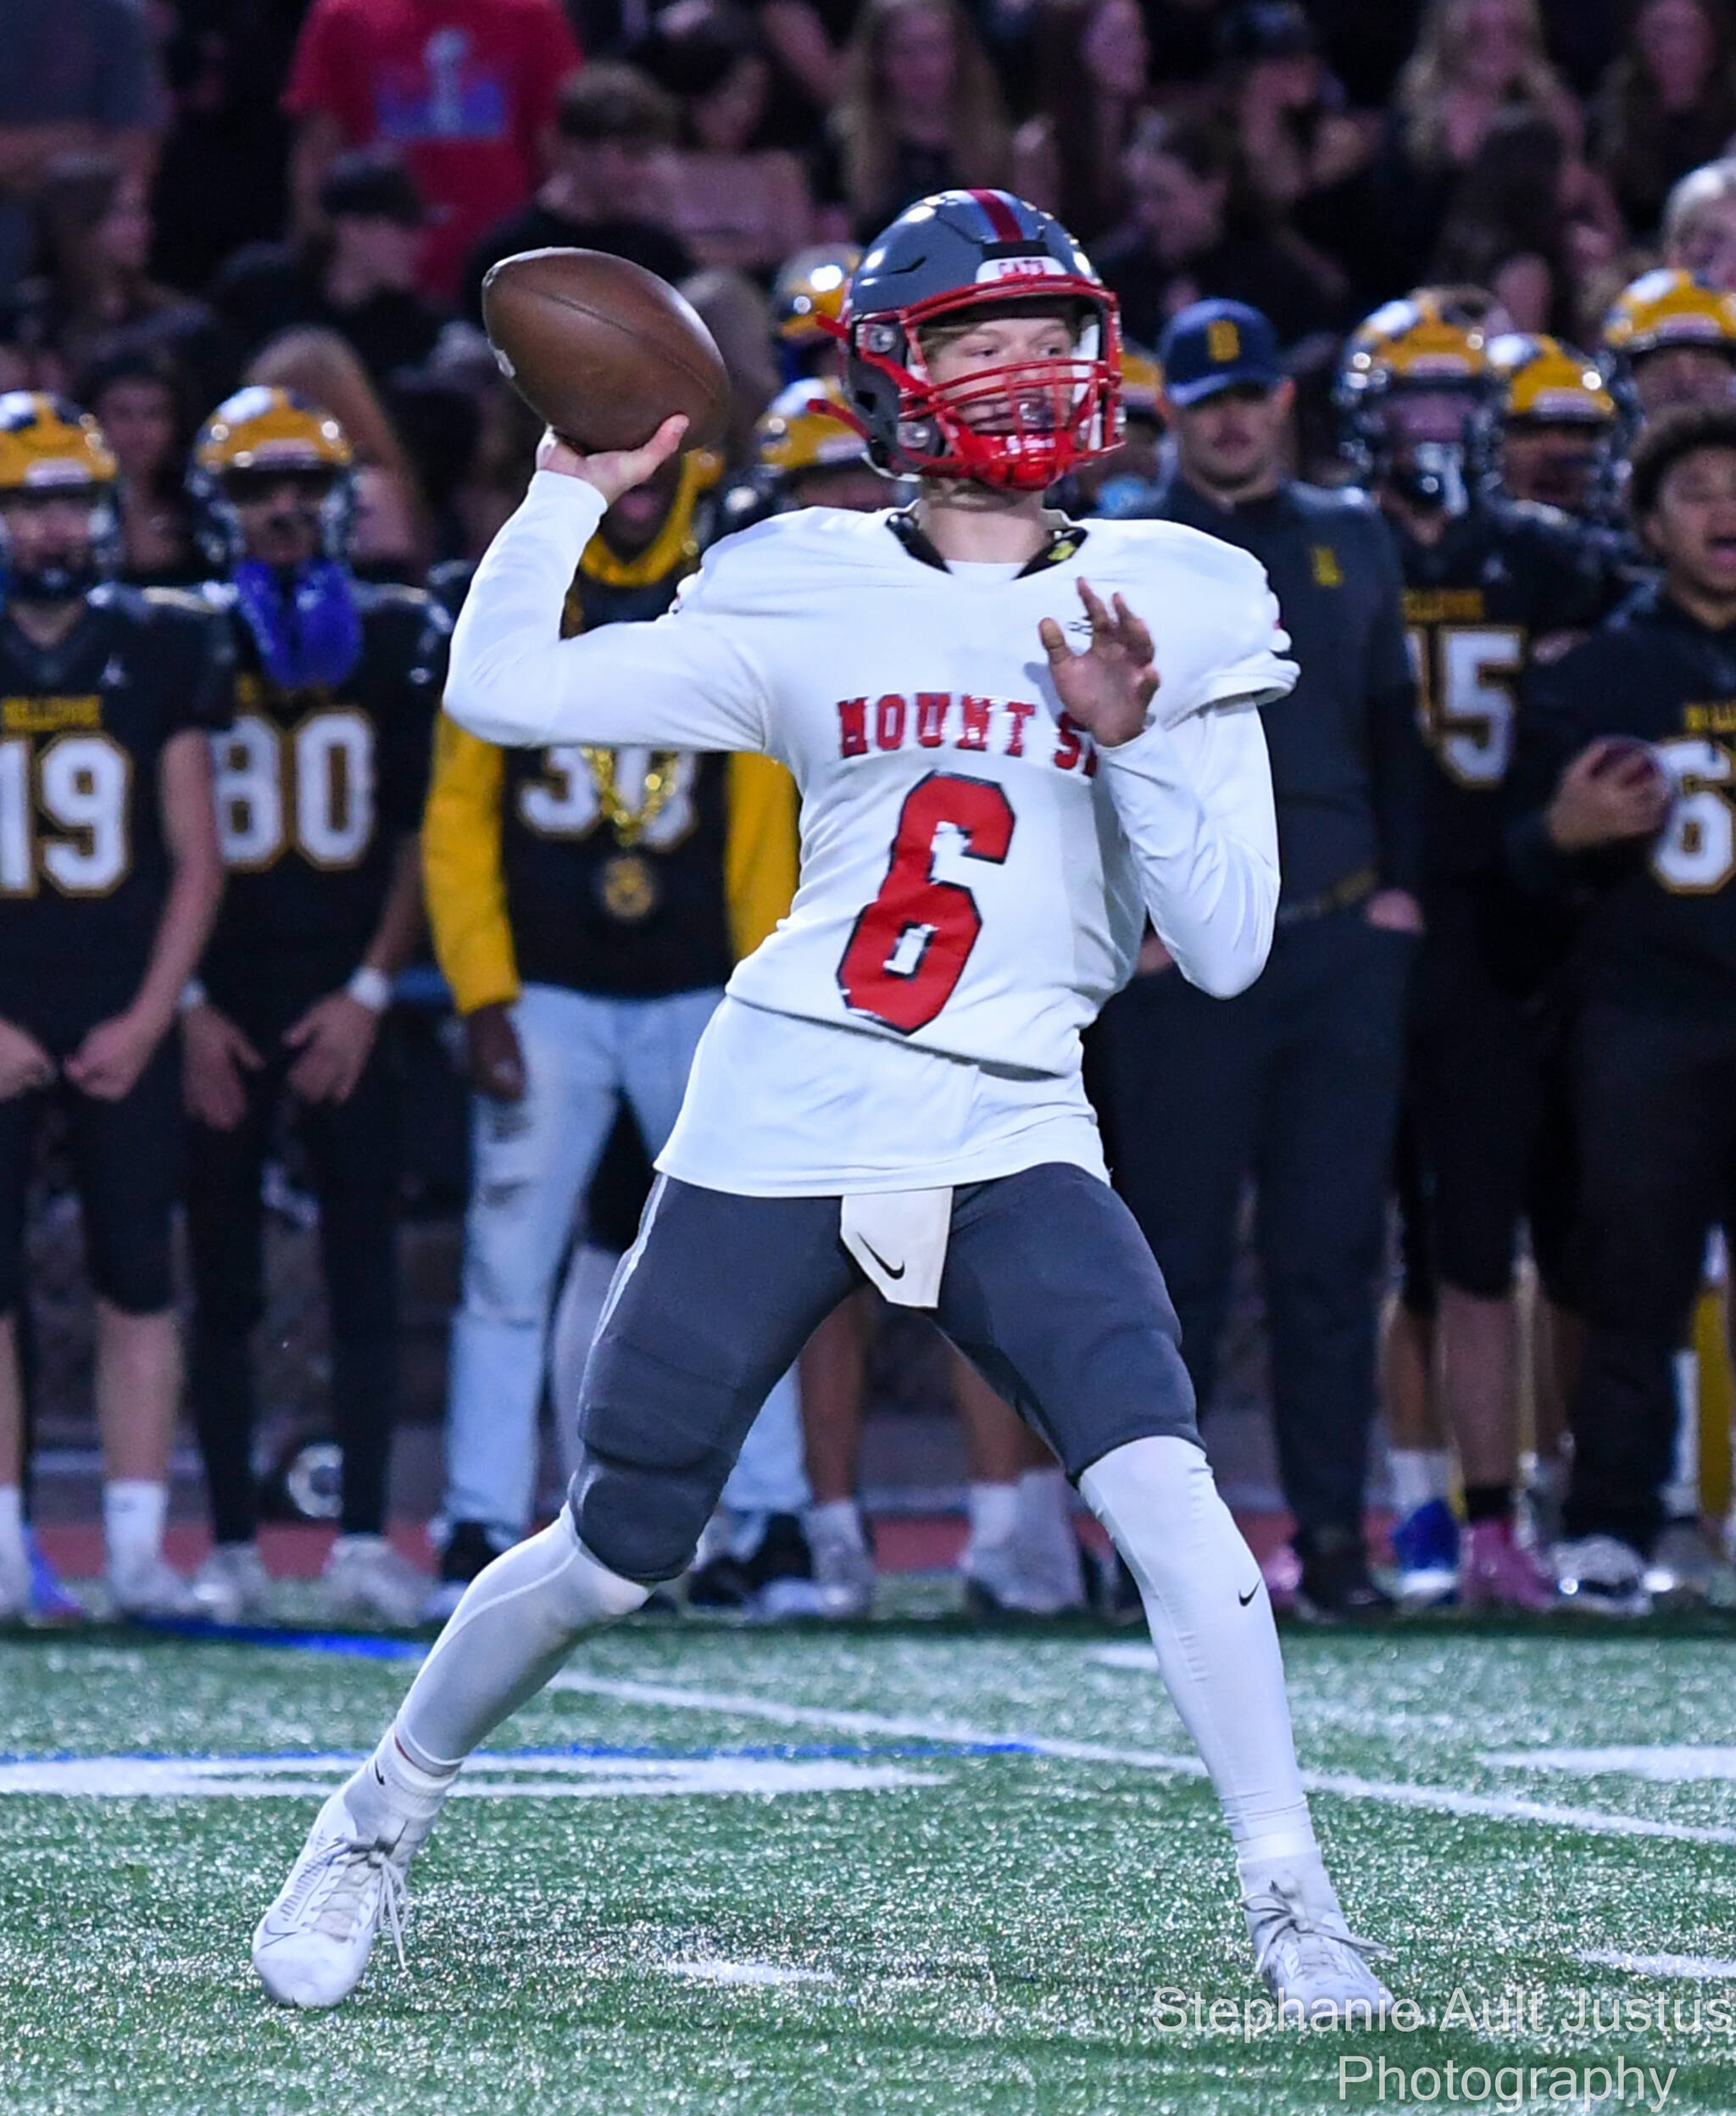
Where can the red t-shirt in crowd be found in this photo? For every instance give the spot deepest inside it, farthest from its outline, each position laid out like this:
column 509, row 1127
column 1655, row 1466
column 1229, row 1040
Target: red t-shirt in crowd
column 461, row 87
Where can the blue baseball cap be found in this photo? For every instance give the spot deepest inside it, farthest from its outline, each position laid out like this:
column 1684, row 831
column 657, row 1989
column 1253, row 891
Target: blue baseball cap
column 1217, row 345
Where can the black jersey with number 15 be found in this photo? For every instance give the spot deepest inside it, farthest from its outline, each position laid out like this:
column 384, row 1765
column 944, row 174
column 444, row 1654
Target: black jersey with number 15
column 1502, row 577
column 314, row 788
column 84, row 867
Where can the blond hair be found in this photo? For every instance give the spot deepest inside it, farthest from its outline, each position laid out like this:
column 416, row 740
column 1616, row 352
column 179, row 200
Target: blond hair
column 866, row 126
column 1429, row 72
column 1710, row 185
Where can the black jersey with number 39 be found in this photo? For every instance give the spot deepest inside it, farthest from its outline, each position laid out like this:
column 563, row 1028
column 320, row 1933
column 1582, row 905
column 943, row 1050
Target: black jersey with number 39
column 84, row 867
column 314, row 788
column 1502, row 577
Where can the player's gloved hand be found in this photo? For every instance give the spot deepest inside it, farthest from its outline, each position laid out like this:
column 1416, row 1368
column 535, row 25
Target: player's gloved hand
column 621, row 469
column 334, row 1037
column 23, row 1063
column 1109, row 687
column 213, row 1053
column 1612, row 792
column 493, row 1055
column 108, row 1063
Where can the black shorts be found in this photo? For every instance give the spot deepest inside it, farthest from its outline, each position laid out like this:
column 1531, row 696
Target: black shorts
column 126, row 1160
column 1491, row 1111
column 1049, row 1289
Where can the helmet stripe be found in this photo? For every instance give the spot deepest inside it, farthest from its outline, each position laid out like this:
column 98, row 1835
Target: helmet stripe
column 1002, row 219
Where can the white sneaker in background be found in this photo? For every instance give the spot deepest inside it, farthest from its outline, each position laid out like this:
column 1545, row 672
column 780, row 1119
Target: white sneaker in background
column 232, row 1585
column 1685, row 1569
column 366, row 1580
column 150, row 1588
column 1049, row 1573
column 14, row 1579
column 844, row 1577
column 1601, row 1575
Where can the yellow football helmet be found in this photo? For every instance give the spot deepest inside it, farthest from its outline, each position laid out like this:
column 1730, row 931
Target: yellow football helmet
column 1427, row 345
column 262, row 429
column 1538, row 379
column 810, row 285
column 258, row 435
column 806, row 427
column 1668, row 307
column 47, row 444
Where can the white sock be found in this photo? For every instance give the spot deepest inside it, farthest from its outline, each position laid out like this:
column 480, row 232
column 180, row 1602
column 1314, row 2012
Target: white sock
column 1419, row 1474
column 11, row 1519
column 1049, row 1557
column 1217, row 1647
column 134, row 1511
column 837, row 1521
column 992, row 1510
column 519, row 1618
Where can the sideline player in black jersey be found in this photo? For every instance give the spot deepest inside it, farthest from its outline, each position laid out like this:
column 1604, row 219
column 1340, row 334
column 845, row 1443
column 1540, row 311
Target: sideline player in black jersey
column 320, row 784
column 1623, row 800
column 109, row 874
column 1488, row 584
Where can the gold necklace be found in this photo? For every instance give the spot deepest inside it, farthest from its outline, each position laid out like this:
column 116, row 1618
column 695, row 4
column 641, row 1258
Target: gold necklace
column 662, row 775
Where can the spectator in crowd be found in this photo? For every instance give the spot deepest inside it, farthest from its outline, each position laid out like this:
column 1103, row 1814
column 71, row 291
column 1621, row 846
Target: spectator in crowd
column 586, row 906
column 1669, row 102
column 736, row 200
column 139, row 399
column 1619, row 801
column 96, row 225
column 80, row 79
column 1531, row 222
column 1296, row 1082
column 112, row 874
column 320, row 784
column 1194, row 232
column 1474, row 60
column 1092, row 66
column 354, row 271
column 1304, row 156
column 921, row 111
column 465, row 89
column 1699, row 226
column 606, row 188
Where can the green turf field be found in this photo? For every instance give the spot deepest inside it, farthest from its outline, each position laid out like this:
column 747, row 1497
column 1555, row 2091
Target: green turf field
column 912, row 1866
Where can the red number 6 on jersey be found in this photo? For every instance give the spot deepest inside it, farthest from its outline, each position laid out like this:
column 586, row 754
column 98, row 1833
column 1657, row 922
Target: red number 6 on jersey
column 910, row 945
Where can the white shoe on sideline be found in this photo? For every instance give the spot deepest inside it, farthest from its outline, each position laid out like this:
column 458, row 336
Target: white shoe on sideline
column 150, row 1589
column 232, row 1585
column 365, row 1580
column 312, row 1945
column 1601, row 1574
column 845, row 1575
column 1309, row 1957
column 14, row 1579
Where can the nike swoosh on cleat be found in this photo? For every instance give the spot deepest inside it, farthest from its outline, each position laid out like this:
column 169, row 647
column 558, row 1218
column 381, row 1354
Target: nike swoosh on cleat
column 1245, row 1599
column 881, row 1262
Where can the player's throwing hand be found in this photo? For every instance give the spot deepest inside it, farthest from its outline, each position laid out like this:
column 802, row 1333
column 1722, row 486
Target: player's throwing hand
column 618, row 470
column 1107, row 688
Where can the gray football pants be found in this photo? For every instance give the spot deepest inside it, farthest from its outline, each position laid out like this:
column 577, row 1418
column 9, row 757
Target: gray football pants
column 1049, row 1289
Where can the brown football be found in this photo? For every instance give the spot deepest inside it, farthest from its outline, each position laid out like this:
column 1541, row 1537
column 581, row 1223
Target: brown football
column 601, row 349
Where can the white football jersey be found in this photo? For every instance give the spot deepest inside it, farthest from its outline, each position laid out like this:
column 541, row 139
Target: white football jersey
column 976, row 874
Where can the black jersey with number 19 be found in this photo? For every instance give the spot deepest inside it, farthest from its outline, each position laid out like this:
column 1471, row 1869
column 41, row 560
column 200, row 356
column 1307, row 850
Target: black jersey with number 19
column 84, row 867
column 316, row 787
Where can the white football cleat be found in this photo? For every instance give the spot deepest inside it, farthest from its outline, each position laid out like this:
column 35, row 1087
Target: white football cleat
column 232, row 1585
column 1602, row 1575
column 311, row 1948
column 366, row 1580
column 1308, row 1956
column 150, row 1590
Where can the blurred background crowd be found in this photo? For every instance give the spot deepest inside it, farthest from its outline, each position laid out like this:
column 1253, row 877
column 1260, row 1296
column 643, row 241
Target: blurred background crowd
column 303, row 197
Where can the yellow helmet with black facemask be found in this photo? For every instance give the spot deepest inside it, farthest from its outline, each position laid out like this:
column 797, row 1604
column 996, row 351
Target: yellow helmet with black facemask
column 259, row 437
column 49, row 449
column 1548, row 430
column 1663, row 314
column 1425, row 349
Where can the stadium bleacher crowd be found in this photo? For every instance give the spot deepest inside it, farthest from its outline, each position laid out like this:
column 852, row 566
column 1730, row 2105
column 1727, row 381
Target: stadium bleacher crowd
column 1465, row 272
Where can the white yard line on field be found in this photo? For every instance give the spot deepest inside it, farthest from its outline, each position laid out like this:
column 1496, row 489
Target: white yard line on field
column 1444, row 1799
column 708, row 1971
column 1698, row 1968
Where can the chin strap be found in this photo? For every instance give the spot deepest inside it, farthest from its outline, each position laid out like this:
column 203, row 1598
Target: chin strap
column 305, row 624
